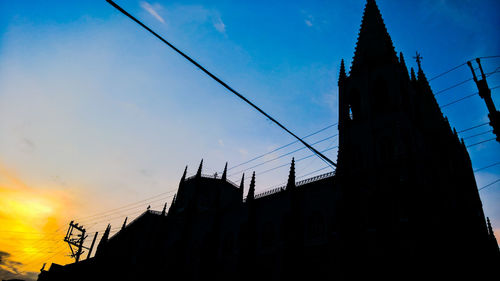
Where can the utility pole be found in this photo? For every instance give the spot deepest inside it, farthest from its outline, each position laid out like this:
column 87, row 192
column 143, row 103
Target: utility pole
column 485, row 94
column 75, row 241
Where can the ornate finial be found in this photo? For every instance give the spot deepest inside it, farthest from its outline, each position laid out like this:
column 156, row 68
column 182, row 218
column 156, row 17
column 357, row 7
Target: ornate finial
column 198, row 174
column 291, row 176
column 224, row 174
column 419, row 59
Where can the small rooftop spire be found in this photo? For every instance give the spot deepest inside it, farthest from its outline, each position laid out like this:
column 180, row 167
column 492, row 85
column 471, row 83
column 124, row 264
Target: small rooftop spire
column 124, row 223
column 172, row 203
column 224, row 174
column 251, row 190
column 291, row 176
column 412, row 77
column 164, row 211
column 198, row 173
column 183, row 178
column 342, row 74
column 242, row 183
column 104, row 240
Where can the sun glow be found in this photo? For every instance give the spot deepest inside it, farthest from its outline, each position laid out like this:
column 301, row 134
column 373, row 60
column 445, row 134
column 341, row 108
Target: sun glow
column 32, row 224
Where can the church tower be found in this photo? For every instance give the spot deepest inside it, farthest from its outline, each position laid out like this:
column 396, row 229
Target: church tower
column 407, row 180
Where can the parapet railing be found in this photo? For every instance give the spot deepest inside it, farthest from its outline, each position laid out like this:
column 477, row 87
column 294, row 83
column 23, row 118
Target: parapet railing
column 214, row 176
column 299, row 183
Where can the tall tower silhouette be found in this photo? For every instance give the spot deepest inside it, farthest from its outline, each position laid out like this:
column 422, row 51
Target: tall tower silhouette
column 406, row 177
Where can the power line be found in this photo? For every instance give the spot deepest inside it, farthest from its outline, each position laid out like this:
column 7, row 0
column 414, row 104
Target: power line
column 466, row 97
column 458, row 66
column 89, row 219
column 486, row 167
column 283, row 155
column 474, row 144
column 298, row 160
column 480, row 134
column 324, row 158
column 490, row 57
column 480, row 125
column 448, row 71
column 465, row 81
column 127, row 205
column 488, row 185
column 281, row 147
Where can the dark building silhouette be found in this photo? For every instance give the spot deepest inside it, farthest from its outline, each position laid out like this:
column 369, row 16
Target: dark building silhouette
column 402, row 205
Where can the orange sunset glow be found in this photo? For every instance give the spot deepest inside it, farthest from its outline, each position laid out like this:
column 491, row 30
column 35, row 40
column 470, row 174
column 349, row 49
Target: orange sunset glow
column 32, row 224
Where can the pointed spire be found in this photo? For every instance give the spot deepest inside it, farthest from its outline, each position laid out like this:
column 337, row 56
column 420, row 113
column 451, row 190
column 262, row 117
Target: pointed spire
column 251, row 189
column 198, row 173
column 291, row 176
column 104, row 240
column 184, row 175
column 124, row 223
column 420, row 74
column 374, row 44
column 412, row 77
column 105, row 236
column 172, row 204
column 242, row 184
column 224, row 174
column 342, row 74
column 164, row 211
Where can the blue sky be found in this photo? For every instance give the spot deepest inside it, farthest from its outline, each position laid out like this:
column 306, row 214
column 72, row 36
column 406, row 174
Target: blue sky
column 93, row 105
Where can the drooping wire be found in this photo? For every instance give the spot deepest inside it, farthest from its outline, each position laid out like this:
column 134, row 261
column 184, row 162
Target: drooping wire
column 283, row 155
column 321, row 156
column 281, row 147
column 488, row 185
column 477, row 143
column 486, row 167
column 466, row 97
column 458, row 66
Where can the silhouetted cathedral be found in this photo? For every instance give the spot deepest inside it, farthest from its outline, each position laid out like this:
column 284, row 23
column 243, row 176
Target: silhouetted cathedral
column 402, row 204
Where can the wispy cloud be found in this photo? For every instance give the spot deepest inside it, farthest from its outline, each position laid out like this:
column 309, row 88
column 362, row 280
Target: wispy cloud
column 219, row 24
column 309, row 19
column 151, row 10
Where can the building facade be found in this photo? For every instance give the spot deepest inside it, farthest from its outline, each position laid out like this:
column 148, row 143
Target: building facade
column 402, row 204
